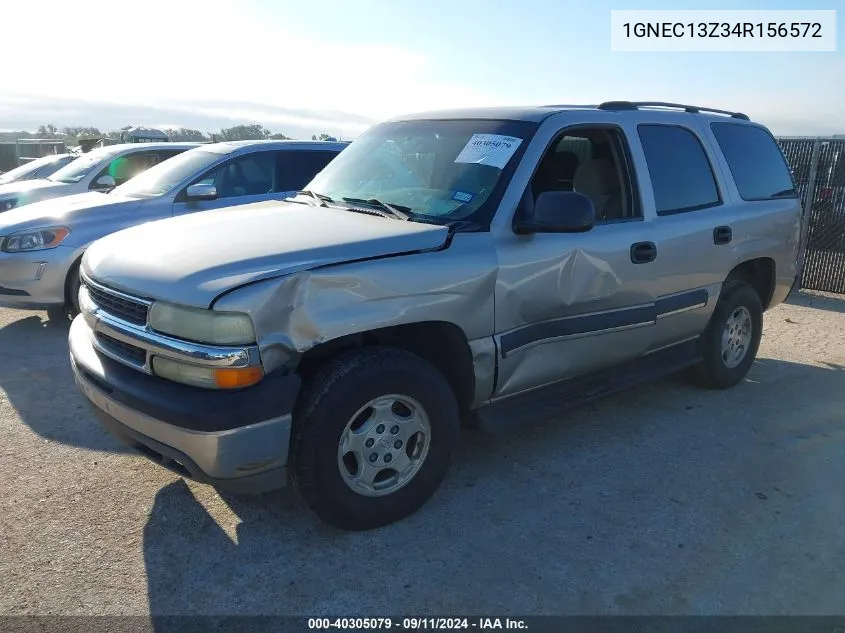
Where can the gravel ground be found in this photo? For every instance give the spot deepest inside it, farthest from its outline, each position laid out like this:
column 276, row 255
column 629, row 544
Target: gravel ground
column 666, row 499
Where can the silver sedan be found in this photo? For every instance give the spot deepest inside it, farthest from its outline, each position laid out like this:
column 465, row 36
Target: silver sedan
column 42, row 243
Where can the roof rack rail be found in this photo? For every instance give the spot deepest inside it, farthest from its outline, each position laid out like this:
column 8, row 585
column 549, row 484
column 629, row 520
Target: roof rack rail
column 591, row 106
column 636, row 105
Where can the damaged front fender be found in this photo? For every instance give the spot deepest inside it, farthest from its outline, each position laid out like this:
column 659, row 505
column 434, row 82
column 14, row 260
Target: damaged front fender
column 297, row 312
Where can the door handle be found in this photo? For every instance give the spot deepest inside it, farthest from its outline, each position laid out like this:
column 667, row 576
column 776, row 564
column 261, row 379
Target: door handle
column 722, row 235
column 643, row 252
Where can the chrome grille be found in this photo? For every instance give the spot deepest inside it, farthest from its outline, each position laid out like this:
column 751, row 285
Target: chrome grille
column 124, row 350
column 118, row 305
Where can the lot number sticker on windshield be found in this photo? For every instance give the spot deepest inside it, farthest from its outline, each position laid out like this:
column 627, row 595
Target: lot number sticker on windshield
column 489, row 149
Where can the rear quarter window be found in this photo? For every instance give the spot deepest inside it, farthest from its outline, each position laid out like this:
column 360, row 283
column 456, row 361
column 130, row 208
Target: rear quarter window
column 756, row 162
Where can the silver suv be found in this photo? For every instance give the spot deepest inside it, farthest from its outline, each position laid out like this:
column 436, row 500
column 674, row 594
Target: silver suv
column 442, row 264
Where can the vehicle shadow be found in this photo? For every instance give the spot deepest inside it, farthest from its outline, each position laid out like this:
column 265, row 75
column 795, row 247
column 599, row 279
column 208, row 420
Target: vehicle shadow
column 829, row 302
column 665, row 499
column 36, row 377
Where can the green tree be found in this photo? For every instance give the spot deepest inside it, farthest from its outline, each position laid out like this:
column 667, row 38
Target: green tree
column 47, row 131
column 185, row 134
column 253, row 132
column 279, row 137
column 81, row 132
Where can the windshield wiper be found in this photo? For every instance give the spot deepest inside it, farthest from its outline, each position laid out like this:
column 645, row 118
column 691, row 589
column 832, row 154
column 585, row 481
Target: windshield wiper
column 318, row 197
column 396, row 210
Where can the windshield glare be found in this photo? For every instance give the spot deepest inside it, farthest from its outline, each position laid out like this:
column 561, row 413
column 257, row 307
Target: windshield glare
column 163, row 177
column 445, row 169
column 76, row 170
column 27, row 168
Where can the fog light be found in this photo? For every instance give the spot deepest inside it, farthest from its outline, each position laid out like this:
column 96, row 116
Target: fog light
column 206, row 377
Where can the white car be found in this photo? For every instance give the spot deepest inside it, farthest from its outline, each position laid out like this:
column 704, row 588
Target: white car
column 101, row 169
column 37, row 168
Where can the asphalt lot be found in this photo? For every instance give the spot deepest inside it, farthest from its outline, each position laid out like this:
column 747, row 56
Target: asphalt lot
column 666, row 499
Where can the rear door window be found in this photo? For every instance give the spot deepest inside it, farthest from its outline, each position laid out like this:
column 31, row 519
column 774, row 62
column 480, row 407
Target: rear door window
column 681, row 174
column 755, row 160
column 296, row 168
column 164, row 154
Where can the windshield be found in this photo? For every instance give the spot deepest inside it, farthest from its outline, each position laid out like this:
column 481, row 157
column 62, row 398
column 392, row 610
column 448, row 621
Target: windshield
column 442, row 169
column 77, row 170
column 27, row 168
column 163, row 177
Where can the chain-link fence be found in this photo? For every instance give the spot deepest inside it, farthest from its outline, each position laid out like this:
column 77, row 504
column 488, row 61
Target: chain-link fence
column 818, row 165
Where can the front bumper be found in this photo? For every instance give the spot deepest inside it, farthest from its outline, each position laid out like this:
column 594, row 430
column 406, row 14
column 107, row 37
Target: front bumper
column 234, row 440
column 36, row 279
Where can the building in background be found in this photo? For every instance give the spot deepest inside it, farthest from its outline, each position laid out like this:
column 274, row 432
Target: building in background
column 143, row 135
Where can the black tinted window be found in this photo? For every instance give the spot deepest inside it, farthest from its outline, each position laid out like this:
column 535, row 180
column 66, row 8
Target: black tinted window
column 296, row 168
column 755, row 160
column 247, row 175
column 680, row 171
column 164, row 154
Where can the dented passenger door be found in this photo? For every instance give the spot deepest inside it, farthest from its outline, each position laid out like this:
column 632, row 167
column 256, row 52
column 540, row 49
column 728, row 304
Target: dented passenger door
column 572, row 303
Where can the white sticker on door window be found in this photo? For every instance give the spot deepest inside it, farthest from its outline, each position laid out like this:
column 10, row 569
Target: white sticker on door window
column 489, row 149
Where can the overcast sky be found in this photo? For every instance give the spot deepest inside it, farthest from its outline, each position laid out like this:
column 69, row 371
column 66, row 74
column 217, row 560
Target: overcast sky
column 337, row 66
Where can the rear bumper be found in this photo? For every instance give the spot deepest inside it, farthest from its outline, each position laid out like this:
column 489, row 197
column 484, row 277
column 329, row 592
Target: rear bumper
column 784, row 287
column 234, row 440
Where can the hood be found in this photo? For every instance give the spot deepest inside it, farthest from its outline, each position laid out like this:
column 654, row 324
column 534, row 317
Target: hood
column 31, row 189
column 191, row 259
column 58, row 210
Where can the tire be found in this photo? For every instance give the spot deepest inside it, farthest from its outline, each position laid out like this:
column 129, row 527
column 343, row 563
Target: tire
column 70, row 308
column 58, row 314
column 717, row 371
column 72, row 296
column 328, row 406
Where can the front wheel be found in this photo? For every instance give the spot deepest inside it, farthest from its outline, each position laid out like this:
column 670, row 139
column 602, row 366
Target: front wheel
column 729, row 344
column 73, row 285
column 70, row 308
column 374, row 438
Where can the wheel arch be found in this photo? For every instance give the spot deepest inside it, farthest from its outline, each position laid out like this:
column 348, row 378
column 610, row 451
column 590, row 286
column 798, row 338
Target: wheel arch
column 442, row 343
column 760, row 273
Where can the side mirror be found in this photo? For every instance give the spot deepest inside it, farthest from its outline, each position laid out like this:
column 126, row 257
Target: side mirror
column 104, row 182
column 201, row 192
column 558, row 212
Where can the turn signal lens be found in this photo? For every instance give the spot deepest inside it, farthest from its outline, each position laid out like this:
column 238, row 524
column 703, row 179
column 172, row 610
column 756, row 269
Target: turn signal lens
column 237, row 377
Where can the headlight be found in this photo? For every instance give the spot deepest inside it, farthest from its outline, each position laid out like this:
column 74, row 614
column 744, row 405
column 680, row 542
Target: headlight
column 5, row 205
column 37, row 240
column 205, row 326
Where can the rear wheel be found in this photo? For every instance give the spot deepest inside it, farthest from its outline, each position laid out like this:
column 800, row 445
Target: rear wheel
column 373, row 438
column 729, row 344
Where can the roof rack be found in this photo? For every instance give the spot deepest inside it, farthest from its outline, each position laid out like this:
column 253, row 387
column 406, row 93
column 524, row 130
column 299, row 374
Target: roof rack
column 636, row 105
column 591, row 106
